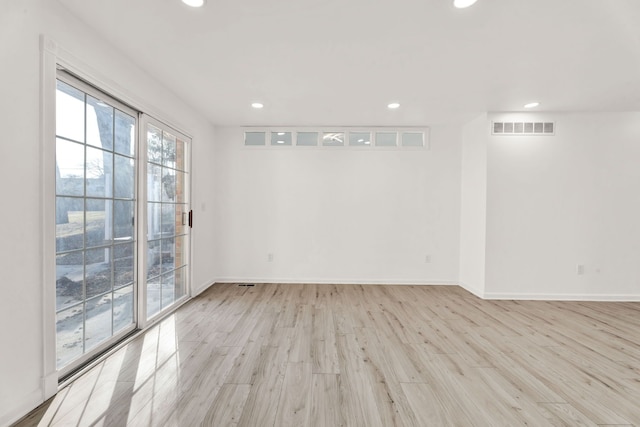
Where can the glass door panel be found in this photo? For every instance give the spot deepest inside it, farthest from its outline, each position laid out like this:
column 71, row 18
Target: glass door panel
column 95, row 237
column 167, row 231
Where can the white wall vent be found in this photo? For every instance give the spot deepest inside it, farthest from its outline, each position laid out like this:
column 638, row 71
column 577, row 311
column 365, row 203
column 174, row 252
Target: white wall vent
column 523, row 128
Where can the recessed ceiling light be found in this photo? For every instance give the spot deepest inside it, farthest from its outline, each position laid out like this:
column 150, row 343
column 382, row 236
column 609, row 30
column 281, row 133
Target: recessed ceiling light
column 257, row 105
column 393, row 106
column 461, row 4
column 531, row 105
column 194, row 3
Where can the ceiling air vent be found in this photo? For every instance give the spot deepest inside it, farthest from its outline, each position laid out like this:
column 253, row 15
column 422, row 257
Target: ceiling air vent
column 523, row 128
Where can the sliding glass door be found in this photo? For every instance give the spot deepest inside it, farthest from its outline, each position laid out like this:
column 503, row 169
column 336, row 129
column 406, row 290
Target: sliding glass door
column 167, row 216
column 95, row 221
column 122, row 225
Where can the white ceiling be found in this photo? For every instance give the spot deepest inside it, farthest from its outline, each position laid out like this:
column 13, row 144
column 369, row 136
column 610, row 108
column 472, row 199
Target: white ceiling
column 340, row 62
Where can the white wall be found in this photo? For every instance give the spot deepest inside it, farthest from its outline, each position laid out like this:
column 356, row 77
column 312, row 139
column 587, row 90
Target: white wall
column 21, row 23
column 338, row 215
column 473, row 210
column 344, row 216
column 555, row 202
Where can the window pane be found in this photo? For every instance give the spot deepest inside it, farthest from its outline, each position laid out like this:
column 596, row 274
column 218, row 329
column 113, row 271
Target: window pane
column 537, row 127
column 333, row 139
column 154, row 144
column 69, row 168
column 98, row 223
column 359, row 139
column 69, row 112
column 168, row 255
column 98, row 320
column 125, row 134
column 154, row 225
column 153, row 296
column 168, row 185
column 69, row 223
column 179, row 187
column 180, row 283
column 122, row 308
column 99, row 170
column 180, row 251
column 307, row 139
column 69, row 279
column 168, row 219
column 123, row 265
column 168, row 291
column 99, row 123
column 168, row 150
column 69, row 334
column 154, row 183
column 386, row 139
column 180, row 155
column 280, row 138
column 154, row 258
column 412, row 139
column 123, row 220
column 98, row 271
column 124, row 177
column 254, row 138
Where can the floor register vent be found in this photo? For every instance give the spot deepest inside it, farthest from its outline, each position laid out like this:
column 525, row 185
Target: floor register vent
column 523, row 128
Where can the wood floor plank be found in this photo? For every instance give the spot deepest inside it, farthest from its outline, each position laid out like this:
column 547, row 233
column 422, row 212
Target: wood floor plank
column 358, row 403
column 300, row 343
column 428, row 409
column 195, row 401
column 355, row 355
column 264, row 395
column 294, row 406
column 565, row 415
column 324, row 352
column 325, row 401
column 227, row 405
column 527, row 411
column 475, row 395
column 388, row 353
column 245, row 366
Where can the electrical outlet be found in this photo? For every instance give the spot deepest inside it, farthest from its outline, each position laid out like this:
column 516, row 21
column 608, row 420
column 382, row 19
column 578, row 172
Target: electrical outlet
column 269, row 257
column 427, row 259
column 580, row 269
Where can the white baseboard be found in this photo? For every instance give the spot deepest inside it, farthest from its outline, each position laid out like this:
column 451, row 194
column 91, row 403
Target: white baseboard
column 473, row 290
column 335, row 281
column 26, row 405
column 560, row 297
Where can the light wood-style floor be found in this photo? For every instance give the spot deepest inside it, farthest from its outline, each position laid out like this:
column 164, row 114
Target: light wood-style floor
column 347, row 355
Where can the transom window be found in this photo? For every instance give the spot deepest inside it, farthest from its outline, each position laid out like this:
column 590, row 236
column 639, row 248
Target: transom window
column 332, row 138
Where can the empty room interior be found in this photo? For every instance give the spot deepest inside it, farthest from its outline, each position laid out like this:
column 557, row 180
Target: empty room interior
column 320, row 213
